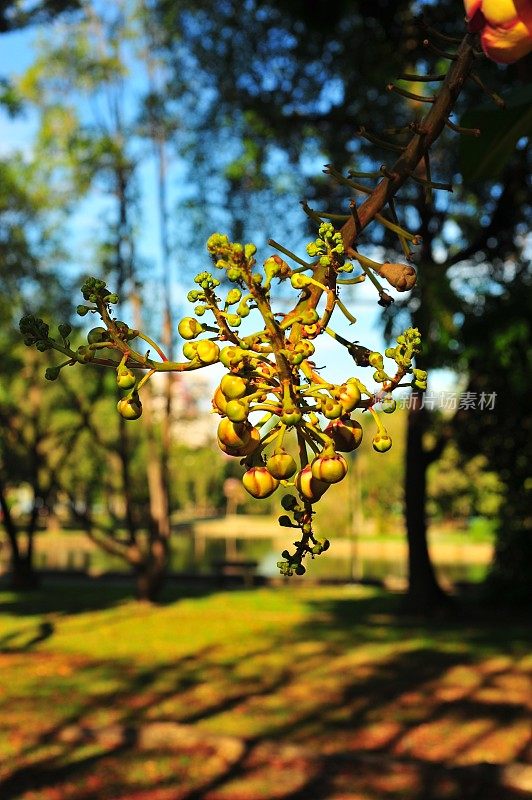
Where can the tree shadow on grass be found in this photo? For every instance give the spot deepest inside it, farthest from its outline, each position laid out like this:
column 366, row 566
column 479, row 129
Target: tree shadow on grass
column 356, row 702
column 10, row 642
column 65, row 595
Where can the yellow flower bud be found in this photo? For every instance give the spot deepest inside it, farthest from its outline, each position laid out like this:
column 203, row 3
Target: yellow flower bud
column 233, row 434
column 346, row 435
column 237, row 410
column 233, row 387
column 259, row 483
column 245, row 449
column 219, row 402
column 349, row 397
column 130, row 407
column 208, row 352
column 329, row 469
column 189, row 328
column 281, row 465
column 308, row 486
column 382, row 442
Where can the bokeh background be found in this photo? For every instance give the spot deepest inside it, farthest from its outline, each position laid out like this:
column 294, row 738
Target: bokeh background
column 399, row 665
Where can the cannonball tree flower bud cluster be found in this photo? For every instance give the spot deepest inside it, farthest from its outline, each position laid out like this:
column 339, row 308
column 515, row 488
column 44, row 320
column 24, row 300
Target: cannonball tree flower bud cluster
column 289, row 425
column 504, row 26
column 286, row 423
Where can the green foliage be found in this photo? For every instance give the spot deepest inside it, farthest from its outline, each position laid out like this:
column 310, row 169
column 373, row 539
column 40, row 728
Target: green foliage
column 501, row 364
column 459, row 488
column 485, row 158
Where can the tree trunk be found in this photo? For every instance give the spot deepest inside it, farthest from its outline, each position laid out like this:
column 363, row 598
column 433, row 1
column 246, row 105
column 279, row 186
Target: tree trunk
column 149, row 582
column 424, row 592
column 23, row 577
column 22, row 574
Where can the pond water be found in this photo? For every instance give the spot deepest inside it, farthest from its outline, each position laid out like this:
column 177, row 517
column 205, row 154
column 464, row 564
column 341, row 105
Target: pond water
column 383, row 561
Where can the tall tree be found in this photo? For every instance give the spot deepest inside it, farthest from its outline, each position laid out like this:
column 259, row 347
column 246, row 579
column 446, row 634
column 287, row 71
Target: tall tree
column 27, row 254
column 88, row 138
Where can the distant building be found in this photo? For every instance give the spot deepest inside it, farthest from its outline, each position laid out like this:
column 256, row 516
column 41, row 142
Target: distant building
column 193, row 423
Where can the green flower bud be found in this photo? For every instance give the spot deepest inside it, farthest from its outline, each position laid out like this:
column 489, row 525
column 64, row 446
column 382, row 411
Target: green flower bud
column 93, row 288
column 291, row 415
column 309, row 317
column 64, row 330
column 284, row 568
column 97, row 335
column 300, row 569
column 82, row 310
column 289, row 502
column 237, row 410
column 83, row 354
column 217, row 242
column 231, row 356
column 332, row 409
column 285, row 522
column 388, row 404
column 33, row 329
column 243, row 309
column 52, row 373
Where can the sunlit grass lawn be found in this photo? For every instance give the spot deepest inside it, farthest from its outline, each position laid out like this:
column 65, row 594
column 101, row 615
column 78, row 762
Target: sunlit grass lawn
column 270, row 693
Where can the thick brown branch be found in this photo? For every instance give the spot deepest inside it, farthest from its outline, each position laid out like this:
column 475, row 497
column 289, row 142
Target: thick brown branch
column 432, row 125
column 429, row 129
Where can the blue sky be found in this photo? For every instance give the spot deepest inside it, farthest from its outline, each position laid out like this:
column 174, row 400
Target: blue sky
column 17, row 51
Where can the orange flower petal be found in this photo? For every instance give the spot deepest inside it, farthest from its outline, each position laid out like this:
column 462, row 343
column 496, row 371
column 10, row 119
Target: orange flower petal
column 506, row 45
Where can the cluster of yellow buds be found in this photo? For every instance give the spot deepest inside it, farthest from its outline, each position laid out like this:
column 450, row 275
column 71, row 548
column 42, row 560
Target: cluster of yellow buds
column 288, row 425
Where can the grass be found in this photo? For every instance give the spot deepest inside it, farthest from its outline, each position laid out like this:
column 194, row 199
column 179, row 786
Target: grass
column 288, row 692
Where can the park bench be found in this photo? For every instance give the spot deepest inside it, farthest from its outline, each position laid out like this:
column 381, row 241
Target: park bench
column 236, row 568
